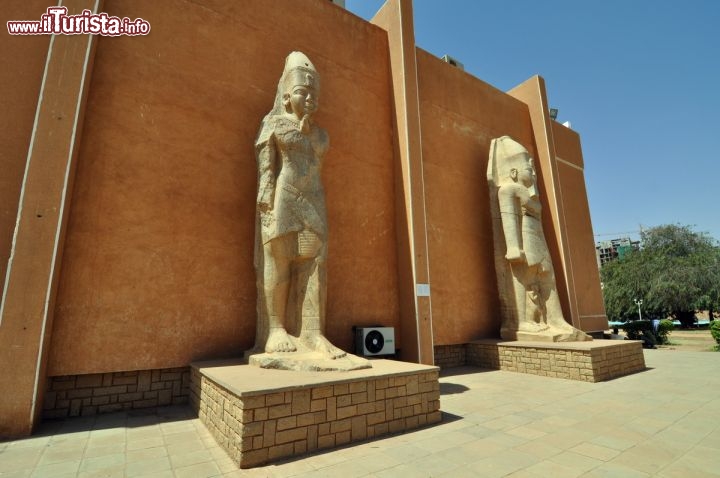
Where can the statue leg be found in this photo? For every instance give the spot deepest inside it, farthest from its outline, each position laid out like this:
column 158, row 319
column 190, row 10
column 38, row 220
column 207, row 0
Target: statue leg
column 312, row 287
column 525, row 294
column 277, row 286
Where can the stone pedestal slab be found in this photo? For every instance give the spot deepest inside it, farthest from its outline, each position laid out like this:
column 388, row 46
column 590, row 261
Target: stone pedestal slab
column 594, row 361
column 261, row 415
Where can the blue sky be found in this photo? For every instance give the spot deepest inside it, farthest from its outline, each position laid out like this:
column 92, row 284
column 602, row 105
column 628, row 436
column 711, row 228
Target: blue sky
column 639, row 80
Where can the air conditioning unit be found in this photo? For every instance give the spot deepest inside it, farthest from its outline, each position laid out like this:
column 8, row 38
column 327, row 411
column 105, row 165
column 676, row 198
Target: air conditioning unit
column 373, row 341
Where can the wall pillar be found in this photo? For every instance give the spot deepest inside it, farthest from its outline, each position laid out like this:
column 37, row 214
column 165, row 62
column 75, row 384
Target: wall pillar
column 532, row 92
column 396, row 16
column 27, row 304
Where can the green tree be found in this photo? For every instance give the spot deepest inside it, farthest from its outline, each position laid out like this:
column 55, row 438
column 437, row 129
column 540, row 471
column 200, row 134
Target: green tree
column 675, row 273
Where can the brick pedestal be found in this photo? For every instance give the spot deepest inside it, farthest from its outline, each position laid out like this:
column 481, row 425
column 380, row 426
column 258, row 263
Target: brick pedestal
column 260, row 415
column 593, row 361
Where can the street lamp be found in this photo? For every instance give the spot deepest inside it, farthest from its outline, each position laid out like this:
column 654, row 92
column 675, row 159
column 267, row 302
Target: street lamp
column 639, row 302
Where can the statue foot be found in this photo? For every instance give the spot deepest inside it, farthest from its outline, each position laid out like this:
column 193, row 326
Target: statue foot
column 279, row 341
column 532, row 327
column 320, row 344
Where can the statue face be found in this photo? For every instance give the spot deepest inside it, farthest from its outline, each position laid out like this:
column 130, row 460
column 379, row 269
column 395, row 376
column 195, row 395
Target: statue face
column 303, row 100
column 526, row 174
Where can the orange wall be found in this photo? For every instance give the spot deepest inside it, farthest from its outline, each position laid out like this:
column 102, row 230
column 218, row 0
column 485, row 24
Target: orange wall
column 591, row 309
column 460, row 117
column 23, row 60
column 157, row 269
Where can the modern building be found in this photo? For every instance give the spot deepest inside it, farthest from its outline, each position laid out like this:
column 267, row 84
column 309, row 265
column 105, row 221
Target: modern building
column 607, row 251
column 128, row 195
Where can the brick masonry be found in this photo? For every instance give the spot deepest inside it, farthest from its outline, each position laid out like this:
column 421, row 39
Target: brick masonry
column 82, row 395
column 259, row 428
column 447, row 356
column 587, row 361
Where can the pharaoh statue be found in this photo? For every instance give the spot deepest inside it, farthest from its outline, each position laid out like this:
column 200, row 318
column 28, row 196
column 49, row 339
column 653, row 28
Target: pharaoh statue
column 291, row 231
column 526, row 280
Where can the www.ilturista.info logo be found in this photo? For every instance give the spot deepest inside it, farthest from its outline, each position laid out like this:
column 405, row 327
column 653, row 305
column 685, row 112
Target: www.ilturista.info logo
column 57, row 21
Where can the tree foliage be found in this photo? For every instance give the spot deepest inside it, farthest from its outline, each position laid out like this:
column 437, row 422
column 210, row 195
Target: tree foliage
column 676, row 272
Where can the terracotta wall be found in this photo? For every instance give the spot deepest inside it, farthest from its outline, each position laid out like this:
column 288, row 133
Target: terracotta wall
column 591, row 309
column 157, row 269
column 460, row 117
column 23, row 60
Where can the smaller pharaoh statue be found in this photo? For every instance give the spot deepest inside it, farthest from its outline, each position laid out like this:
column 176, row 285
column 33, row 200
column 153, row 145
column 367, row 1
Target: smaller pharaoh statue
column 291, row 230
column 526, row 280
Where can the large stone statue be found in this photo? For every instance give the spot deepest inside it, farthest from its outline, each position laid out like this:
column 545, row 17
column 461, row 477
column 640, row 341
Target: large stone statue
column 526, row 280
column 291, row 231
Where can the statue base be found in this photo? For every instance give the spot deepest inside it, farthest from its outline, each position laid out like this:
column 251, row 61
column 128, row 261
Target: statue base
column 259, row 416
column 588, row 361
column 307, row 362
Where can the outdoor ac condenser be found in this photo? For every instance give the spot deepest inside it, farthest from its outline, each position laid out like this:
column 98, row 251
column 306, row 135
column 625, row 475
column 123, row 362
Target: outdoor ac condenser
column 373, row 341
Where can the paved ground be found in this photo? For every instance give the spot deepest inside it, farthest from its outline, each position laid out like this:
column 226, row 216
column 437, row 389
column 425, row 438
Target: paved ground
column 661, row 422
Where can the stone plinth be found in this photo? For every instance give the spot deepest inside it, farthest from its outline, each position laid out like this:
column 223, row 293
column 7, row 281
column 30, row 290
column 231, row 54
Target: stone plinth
column 261, row 415
column 587, row 361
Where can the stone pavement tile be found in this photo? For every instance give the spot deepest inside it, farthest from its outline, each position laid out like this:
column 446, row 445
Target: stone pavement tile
column 107, row 440
column 143, row 443
column 404, row 470
column 478, row 431
column 647, row 457
column 12, row 460
column 471, row 452
column 525, row 432
column 574, row 461
column 567, row 438
column 618, row 439
column 17, row 474
column 503, row 463
column 648, row 425
column 187, row 446
column 95, row 451
column 507, row 422
column 30, row 442
column 144, row 433
column 101, row 463
column 406, row 453
column 177, row 427
column 505, row 439
column 444, row 441
column 147, row 466
column 158, row 474
column 225, row 464
column 346, row 469
column 190, row 458
column 432, row 465
column 69, row 440
column 112, row 472
column 551, row 469
column 198, row 470
column 56, row 469
column 700, row 461
column 524, row 474
column 464, row 471
column 539, row 449
column 595, row 451
column 279, row 469
column 611, row 470
column 132, row 456
column 181, row 438
column 378, row 461
column 60, row 454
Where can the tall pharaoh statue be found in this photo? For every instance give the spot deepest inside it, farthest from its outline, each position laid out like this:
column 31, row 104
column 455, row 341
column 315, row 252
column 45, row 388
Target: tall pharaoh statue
column 291, row 231
column 526, row 279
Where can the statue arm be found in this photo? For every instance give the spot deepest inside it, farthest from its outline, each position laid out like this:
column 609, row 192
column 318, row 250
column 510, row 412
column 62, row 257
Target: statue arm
column 266, row 152
column 511, row 216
